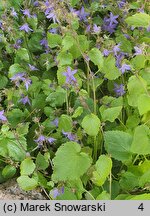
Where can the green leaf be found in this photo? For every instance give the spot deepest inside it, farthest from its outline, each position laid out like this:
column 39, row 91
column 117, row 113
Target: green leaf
column 103, row 169
column 8, row 171
column 77, row 112
column 96, row 57
column 16, row 151
column 125, row 44
column 54, row 40
column 110, row 114
column 22, row 55
column 138, row 62
column 67, row 195
column 118, row 144
column 23, row 128
column 133, row 197
column 57, row 98
column 27, row 183
column 91, row 124
column 138, row 20
column 14, row 69
column 34, row 42
column 128, row 181
column 74, row 2
column 136, row 86
column 69, row 162
column 145, row 179
column 82, row 42
column 41, row 162
column 109, row 69
column 15, row 116
column 111, row 108
column 3, row 81
column 27, row 167
column 140, row 197
column 39, row 101
column 64, row 58
column 141, row 141
column 67, row 42
column 144, row 104
column 103, row 196
column 65, row 123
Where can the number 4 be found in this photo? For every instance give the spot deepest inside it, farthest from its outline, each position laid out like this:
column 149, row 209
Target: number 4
column 141, row 207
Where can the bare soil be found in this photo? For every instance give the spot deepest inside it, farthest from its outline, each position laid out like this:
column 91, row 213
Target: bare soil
column 11, row 191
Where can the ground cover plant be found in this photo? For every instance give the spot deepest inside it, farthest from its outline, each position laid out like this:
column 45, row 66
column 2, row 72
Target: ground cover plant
column 75, row 97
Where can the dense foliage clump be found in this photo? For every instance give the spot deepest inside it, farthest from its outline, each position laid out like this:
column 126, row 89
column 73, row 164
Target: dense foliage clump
column 75, row 97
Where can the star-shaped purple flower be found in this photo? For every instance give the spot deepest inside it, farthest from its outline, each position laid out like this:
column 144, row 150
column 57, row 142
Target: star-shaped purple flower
column 32, row 67
column 25, row 27
column 124, row 68
column 69, row 74
column 51, row 139
column 138, row 51
column 26, row 12
column 119, row 89
column 82, row 14
column 112, row 19
column 70, row 136
column 13, row 13
column 96, row 29
column 25, row 100
column 2, row 117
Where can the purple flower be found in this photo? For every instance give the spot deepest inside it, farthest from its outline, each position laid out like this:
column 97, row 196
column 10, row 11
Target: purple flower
column 26, row 12
column 116, row 49
column 53, row 30
column 25, row 27
column 32, row 67
column 17, row 78
column 17, row 44
column 55, row 122
column 112, row 19
column 124, row 68
column 1, row 25
column 138, row 51
column 70, row 136
column 40, row 139
column 27, row 82
column 110, row 23
column 13, row 13
column 119, row 58
column 121, row 3
column 50, row 14
column 69, row 74
column 96, row 29
column 2, row 117
column 106, row 52
column 21, row 77
column 51, row 140
column 119, row 89
column 44, row 43
column 36, row 3
column 148, row 28
column 82, row 14
column 25, row 100
column 57, row 192
column 88, row 28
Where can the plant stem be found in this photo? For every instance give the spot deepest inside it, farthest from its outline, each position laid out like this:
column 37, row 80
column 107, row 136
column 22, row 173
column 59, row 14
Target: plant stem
column 110, row 184
column 94, row 95
column 135, row 159
column 89, row 194
column 95, row 150
column 67, row 102
column 29, row 53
